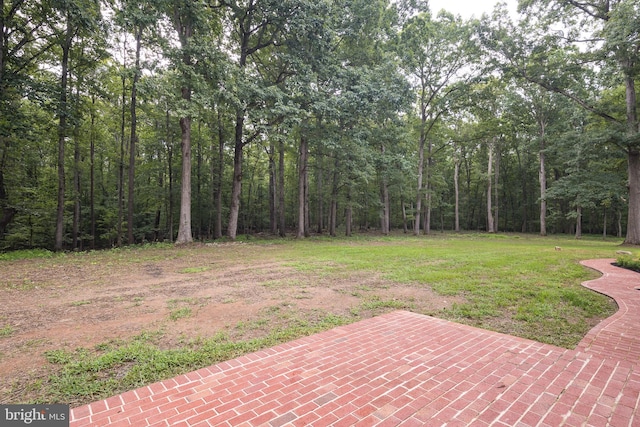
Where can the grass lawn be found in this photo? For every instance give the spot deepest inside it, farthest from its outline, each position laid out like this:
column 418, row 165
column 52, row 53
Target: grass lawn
column 516, row 284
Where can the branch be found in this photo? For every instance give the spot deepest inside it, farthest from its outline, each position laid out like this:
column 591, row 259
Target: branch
column 574, row 98
column 599, row 14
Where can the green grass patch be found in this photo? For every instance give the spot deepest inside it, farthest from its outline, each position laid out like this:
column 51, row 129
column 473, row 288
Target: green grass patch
column 6, row 331
column 515, row 284
column 90, row 374
column 180, row 313
column 25, row 254
column 194, row 270
column 80, row 303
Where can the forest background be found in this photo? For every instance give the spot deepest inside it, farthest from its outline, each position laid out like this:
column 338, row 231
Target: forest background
column 130, row 121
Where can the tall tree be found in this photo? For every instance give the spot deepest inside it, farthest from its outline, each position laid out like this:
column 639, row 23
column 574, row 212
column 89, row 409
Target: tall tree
column 436, row 54
column 25, row 37
column 135, row 17
column 256, row 25
column 195, row 25
column 76, row 16
column 612, row 45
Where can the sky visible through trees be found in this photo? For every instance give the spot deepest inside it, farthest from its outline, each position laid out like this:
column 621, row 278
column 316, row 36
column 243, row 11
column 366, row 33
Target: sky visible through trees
column 131, row 121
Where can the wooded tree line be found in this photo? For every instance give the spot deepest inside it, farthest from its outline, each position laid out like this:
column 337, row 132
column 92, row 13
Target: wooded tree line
column 128, row 121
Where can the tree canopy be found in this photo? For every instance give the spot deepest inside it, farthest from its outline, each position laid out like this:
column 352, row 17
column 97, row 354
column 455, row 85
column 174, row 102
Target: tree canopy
column 125, row 122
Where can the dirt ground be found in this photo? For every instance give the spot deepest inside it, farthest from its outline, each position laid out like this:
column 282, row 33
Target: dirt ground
column 62, row 303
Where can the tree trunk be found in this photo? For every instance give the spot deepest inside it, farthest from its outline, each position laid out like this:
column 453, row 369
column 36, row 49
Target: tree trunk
column 633, row 156
column 496, row 205
column 405, row 227
column 184, row 27
column 385, row 215
column 217, row 229
column 307, row 211
column 633, row 220
column 543, row 184
column 490, row 224
column 184, row 229
column 619, row 223
column 92, row 167
column 281, row 210
column 386, row 207
column 134, row 138
column 200, row 217
column 62, row 135
column 456, row 185
column 170, row 170
column 302, row 186
column 429, row 193
column 348, row 216
column 236, row 185
column 416, row 223
column 76, row 233
column 273, row 191
column 579, row 222
column 121, row 164
column 319, row 188
column 333, row 214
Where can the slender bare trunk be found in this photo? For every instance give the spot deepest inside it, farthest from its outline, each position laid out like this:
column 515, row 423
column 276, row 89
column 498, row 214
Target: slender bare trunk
column 319, row 187
column 302, row 186
column 217, row 229
column 121, row 164
column 236, row 185
column 281, row 210
column 134, row 138
column 386, row 207
column 92, row 167
column 273, row 193
column 170, row 171
column 543, row 182
column 348, row 216
column 405, row 227
column 333, row 214
column 429, row 193
column 490, row 225
column 62, row 135
column 416, row 223
column 496, row 205
column 76, row 233
column 456, row 185
column 579, row 222
column 184, row 229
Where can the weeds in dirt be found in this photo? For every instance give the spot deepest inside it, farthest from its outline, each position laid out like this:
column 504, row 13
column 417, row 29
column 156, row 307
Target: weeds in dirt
column 194, row 270
column 6, row 331
column 180, row 313
column 80, row 303
column 85, row 375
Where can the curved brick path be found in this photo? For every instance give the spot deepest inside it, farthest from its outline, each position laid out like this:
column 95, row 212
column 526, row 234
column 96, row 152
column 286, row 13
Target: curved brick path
column 406, row 369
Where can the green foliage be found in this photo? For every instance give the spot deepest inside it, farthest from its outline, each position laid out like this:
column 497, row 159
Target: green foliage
column 360, row 80
column 629, row 262
column 25, row 254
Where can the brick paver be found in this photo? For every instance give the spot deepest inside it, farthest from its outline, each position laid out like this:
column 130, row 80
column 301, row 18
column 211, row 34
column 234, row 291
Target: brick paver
column 406, row 369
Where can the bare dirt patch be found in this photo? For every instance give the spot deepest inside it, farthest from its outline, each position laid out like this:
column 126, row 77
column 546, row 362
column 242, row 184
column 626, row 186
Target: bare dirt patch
column 62, row 303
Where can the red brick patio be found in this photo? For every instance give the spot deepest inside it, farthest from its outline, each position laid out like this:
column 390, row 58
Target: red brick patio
column 406, row 369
